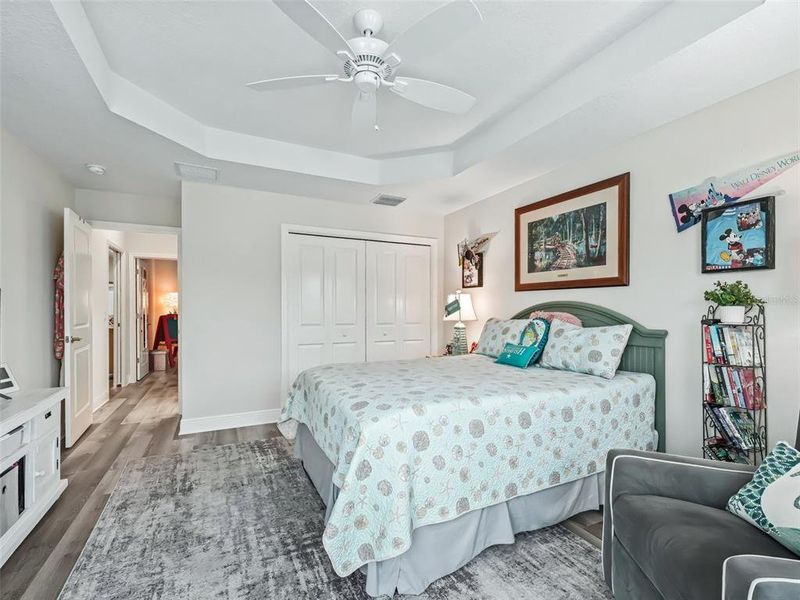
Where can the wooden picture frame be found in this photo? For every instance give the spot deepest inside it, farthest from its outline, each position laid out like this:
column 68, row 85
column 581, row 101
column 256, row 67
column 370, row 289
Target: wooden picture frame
column 738, row 236
column 598, row 214
column 472, row 272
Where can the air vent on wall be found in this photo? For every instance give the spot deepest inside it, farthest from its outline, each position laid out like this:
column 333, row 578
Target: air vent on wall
column 196, row 172
column 387, row 200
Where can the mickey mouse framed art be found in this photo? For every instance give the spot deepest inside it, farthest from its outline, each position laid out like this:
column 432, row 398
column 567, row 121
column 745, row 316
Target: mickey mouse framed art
column 739, row 237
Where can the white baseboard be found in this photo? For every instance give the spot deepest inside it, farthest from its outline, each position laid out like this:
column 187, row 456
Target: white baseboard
column 218, row 422
column 100, row 400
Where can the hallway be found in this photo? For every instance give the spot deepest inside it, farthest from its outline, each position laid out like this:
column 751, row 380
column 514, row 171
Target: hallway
column 139, row 420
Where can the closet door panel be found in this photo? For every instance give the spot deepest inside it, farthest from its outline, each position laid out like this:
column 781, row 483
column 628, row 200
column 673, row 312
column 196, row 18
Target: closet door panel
column 398, row 301
column 414, row 320
column 346, row 285
column 325, row 302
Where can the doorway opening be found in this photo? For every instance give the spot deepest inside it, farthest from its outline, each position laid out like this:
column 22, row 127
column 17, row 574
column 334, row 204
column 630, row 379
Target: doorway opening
column 157, row 315
column 114, row 317
column 101, row 305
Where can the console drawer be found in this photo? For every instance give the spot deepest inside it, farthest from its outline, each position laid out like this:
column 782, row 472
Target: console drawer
column 11, row 441
column 47, row 421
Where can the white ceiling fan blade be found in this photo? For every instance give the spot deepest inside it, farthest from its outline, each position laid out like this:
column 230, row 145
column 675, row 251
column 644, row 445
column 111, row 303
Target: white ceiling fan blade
column 365, row 111
column 433, row 95
column 314, row 23
column 285, row 83
column 435, row 31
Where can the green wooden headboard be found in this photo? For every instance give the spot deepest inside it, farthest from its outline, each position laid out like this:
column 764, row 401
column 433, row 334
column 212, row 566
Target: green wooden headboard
column 644, row 353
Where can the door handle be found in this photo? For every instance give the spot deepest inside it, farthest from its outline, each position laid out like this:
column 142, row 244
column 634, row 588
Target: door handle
column 72, row 340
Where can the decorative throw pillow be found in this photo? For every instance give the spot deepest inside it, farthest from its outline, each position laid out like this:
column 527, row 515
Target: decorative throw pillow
column 561, row 316
column 771, row 500
column 499, row 332
column 517, row 355
column 535, row 334
column 591, row 350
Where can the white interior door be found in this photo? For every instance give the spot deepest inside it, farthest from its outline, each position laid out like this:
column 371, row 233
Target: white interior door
column 142, row 318
column 77, row 326
column 325, row 295
column 398, row 301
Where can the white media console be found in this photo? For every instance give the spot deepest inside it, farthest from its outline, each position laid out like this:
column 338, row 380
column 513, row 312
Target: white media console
column 30, row 462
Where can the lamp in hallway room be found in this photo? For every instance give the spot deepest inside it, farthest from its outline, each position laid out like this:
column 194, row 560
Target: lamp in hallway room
column 171, row 302
column 459, row 308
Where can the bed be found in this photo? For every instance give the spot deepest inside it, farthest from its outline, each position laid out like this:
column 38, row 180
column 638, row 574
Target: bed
column 423, row 464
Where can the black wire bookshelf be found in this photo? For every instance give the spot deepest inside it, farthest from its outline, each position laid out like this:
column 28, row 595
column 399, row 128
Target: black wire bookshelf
column 734, row 373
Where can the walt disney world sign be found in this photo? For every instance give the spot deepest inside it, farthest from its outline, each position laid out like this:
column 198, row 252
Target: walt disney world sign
column 688, row 205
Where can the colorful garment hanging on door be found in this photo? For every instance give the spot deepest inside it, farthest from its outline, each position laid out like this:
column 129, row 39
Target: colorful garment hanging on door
column 58, row 309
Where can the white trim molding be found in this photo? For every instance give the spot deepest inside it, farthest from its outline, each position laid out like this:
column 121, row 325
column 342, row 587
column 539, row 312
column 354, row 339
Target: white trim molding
column 229, row 421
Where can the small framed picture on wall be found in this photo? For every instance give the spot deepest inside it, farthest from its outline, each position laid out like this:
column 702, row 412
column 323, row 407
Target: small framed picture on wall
column 739, row 237
column 472, row 271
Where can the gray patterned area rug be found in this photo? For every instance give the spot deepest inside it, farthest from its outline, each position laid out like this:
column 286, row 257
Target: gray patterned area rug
column 243, row 521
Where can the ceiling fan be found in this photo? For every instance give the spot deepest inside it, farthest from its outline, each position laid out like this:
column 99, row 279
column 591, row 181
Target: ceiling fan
column 371, row 63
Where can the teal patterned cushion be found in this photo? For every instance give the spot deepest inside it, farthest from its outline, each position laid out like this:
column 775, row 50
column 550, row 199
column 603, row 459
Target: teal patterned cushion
column 535, row 334
column 771, row 500
column 517, row 355
column 499, row 332
column 591, row 350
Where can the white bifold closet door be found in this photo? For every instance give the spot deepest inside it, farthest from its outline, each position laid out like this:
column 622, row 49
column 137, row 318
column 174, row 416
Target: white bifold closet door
column 325, row 295
column 398, row 301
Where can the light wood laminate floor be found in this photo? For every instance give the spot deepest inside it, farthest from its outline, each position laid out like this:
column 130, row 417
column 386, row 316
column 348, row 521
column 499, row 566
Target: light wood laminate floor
column 139, row 420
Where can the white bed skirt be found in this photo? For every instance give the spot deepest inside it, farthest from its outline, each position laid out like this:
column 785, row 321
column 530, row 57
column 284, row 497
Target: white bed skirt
column 440, row 549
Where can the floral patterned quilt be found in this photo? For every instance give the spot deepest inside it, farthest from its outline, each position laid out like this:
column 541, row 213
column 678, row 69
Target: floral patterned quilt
column 423, row 441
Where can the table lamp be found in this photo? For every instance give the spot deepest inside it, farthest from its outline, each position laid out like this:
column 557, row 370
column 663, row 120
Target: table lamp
column 460, row 313
column 171, row 302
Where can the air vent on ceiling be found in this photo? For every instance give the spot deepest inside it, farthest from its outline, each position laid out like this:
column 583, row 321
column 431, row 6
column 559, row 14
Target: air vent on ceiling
column 387, row 200
column 196, row 172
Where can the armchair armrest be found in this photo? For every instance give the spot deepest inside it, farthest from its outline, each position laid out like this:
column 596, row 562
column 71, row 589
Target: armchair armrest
column 706, row 482
column 760, row 578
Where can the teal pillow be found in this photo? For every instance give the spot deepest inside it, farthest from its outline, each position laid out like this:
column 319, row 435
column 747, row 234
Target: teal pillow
column 771, row 500
column 535, row 334
column 516, row 355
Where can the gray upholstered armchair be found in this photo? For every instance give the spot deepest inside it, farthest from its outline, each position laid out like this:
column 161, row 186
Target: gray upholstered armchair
column 667, row 535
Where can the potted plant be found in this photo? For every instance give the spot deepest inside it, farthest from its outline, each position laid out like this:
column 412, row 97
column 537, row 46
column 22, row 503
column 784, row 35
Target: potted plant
column 732, row 300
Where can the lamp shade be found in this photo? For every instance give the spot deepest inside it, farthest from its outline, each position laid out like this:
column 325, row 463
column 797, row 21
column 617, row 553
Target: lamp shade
column 171, row 302
column 466, row 312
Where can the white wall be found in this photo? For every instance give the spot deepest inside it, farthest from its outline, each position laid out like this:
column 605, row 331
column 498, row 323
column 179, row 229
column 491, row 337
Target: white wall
column 666, row 285
column 98, row 205
column 32, row 201
column 131, row 244
column 231, row 292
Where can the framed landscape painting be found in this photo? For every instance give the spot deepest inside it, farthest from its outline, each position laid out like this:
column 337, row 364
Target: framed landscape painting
column 739, row 237
column 576, row 239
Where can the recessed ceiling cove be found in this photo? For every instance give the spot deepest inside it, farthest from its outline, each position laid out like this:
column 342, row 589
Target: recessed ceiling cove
column 197, row 57
column 545, row 82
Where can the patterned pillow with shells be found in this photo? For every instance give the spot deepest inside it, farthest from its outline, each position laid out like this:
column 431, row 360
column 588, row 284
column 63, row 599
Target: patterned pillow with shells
column 499, row 332
column 590, row 350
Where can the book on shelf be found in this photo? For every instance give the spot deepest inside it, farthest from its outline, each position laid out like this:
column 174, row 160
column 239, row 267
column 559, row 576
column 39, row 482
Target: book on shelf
column 718, row 448
column 728, row 344
column 732, row 386
column 735, row 426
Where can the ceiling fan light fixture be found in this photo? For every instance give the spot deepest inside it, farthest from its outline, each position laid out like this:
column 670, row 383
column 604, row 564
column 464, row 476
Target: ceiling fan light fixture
column 367, row 82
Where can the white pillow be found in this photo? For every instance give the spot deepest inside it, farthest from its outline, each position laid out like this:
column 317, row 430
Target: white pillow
column 591, row 350
column 497, row 333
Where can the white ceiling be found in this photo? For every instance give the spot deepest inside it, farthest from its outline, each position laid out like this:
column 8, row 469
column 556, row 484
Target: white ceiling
column 139, row 85
column 199, row 59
